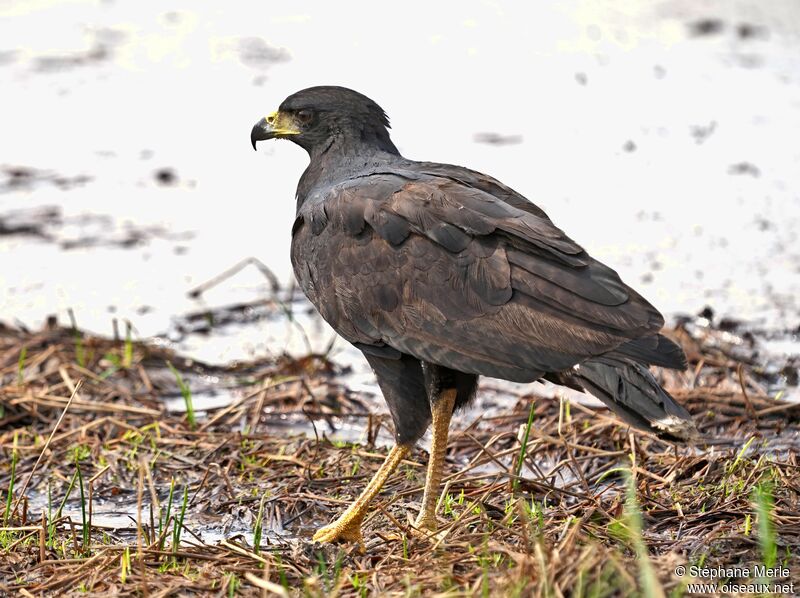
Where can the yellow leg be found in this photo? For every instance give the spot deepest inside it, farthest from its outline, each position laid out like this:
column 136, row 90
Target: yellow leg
column 441, row 412
column 348, row 526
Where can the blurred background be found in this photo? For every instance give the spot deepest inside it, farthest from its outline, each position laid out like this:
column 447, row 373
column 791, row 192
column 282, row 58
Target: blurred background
column 660, row 135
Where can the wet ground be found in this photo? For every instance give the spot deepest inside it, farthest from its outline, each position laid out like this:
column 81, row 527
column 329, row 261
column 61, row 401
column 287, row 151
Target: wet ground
column 278, row 447
column 771, row 359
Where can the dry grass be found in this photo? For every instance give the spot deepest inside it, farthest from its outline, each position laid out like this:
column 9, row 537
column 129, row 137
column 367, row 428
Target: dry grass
column 554, row 523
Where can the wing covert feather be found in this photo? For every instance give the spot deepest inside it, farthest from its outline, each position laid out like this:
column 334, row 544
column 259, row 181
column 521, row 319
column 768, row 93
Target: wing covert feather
column 447, row 272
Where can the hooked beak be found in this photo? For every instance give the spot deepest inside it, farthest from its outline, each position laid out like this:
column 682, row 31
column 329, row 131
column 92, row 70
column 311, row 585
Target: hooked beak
column 276, row 125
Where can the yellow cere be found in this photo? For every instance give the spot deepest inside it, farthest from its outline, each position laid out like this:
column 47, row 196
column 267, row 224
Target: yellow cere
column 281, row 123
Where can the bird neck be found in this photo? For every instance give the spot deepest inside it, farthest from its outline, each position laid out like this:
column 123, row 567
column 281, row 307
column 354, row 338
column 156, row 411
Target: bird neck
column 341, row 158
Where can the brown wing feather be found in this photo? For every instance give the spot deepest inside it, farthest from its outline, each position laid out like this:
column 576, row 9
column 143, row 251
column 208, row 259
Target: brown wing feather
column 453, row 275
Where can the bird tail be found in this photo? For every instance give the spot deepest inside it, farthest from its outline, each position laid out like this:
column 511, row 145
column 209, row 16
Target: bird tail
column 630, row 390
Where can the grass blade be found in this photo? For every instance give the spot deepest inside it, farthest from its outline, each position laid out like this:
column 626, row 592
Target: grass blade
column 633, row 522
column 23, row 354
column 258, row 527
column 127, row 356
column 765, row 504
column 10, row 497
column 165, row 521
column 178, row 528
column 523, row 449
column 186, row 393
column 84, row 523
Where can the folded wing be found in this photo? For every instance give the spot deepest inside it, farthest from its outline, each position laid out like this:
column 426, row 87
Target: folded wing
column 460, row 271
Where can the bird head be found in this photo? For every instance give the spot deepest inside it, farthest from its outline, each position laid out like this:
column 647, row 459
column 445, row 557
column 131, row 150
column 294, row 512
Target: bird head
column 319, row 118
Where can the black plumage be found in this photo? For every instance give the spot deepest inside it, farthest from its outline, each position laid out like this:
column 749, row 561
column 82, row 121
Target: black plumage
column 440, row 274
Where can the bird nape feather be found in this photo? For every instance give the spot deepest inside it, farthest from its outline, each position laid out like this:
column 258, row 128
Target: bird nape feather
column 441, row 274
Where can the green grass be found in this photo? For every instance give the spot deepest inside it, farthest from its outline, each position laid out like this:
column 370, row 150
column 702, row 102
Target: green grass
column 52, row 527
column 12, row 480
column 258, row 526
column 80, row 352
column 233, row 585
column 485, row 561
column 535, row 514
column 765, row 505
column 740, row 455
column 178, row 528
column 123, row 362
column 116, row 363
column 127, row 354
column 186, row 393
column 523, row 449
column 163, row 519
column 23, row 354
column 281, row 572
column 328, row 577
column 633, row 523
column 359, row 585
column 450, row 502
column 84, row 522
column 80, row 452
column 124, row 564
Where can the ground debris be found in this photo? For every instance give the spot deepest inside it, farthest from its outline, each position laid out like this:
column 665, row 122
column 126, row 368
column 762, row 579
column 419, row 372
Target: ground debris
column 260, row 473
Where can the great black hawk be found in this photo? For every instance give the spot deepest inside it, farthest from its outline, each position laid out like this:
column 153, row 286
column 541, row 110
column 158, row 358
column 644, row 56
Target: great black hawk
column 440, row 274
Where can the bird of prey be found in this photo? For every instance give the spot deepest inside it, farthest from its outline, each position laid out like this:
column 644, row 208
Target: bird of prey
column 440, row 274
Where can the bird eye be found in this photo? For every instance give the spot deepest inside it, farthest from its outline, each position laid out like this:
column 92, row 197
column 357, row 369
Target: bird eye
column 305, row 116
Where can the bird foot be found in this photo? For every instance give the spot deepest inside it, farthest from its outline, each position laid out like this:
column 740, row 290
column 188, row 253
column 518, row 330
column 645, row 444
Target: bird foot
column 344, row 529
column 424, row 526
